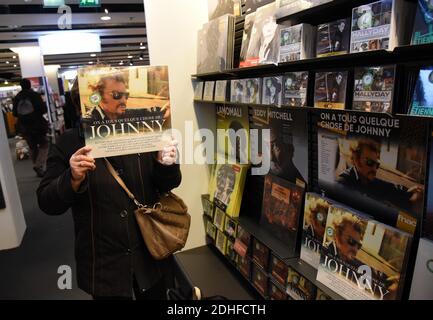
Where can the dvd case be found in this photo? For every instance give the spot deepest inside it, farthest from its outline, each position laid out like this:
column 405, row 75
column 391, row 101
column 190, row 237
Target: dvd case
column 278, row 270
column 330, row 90
column 333, row 38
column 231, row 227
column 374, row 89
column 252, row 90
column 259, row 279
column 272, row 90
column 260, row 254
column 299, row 287
column 237, row 90
column 209, row 88
column 219, row 219
column 211, row 230
column 295, row 86
column 221, row 241
column 221, row 91
column 380, row 25
column 276, row 292
column 297, row 42
column 198, row 90
column 208, row 208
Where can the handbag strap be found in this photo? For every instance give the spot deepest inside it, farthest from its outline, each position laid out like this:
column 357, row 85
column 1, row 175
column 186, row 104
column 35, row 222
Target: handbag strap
column 122, row 184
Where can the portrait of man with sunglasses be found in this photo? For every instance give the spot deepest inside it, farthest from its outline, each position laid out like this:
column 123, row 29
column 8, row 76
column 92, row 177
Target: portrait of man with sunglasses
column 362, row 177
column 113, row 95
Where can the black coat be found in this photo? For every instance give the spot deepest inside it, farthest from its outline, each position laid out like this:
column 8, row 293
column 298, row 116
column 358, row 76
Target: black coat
column 35, row 123
column 109, row 248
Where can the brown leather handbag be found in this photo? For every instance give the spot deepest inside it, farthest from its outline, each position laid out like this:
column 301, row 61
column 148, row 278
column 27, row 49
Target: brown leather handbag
column 164, row 226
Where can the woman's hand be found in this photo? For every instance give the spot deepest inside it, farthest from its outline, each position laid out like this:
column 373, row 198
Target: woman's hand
column 168, row 155
column 80, row 164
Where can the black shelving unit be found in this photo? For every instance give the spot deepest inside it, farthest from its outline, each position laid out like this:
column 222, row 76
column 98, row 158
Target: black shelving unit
column 410, row 55
column 281, row 249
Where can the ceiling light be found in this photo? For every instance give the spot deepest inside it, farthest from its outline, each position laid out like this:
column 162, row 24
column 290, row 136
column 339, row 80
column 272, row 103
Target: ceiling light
column 130, row 57
column 15, row 65
column 121, row 63
column 90, row 62
column 6, row 82
column 68, row 42
column 93, row 55
column 14, row 57
column 131, row 63
column 141, row 57
column 142, row 47
column 7, row 62
column 106, row 17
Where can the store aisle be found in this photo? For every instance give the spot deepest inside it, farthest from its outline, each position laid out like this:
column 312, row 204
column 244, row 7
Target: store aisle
column 30, row 271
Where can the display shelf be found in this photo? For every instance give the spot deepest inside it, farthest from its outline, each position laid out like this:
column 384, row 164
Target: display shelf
column 310, row 273
column 250, row 104
column 419, row 54
column 282, row 249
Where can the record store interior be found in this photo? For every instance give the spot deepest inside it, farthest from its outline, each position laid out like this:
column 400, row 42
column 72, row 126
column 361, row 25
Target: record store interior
column 248, row 150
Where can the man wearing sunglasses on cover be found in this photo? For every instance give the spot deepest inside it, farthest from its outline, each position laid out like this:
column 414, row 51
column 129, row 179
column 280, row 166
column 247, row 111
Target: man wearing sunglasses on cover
column 362, row 177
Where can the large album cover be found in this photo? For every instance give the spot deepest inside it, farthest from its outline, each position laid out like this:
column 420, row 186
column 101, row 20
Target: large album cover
column 374, row 163
column 252, row 5
column 422, row 101
column 221, row 91
column 361, row 258
column 263, row 44
column 333, row 38
column 218, row 8
column 2, row 198
column 371, row 26
column 282, row 204
column 227, row 187
column 124, row 110
column 287, row 148
column 295, row 86
column 423, row 25
column 374, row 89
column 330, row 90
column 291, row 43
column 252, row 90
column 213, row 45
column 272, row 90
column 299, row 287
column 422, row 281
column 427, row 225
column 315, row 215
column 233, row 132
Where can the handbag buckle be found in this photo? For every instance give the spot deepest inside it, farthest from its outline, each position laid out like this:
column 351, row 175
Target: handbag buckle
column 139, row 205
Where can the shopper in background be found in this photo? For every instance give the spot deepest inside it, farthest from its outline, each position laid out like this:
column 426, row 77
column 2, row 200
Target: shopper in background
column 29, row 108
column 112, row 259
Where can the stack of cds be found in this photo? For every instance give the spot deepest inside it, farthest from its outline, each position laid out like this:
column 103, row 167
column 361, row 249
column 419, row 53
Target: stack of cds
column 216, row 45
